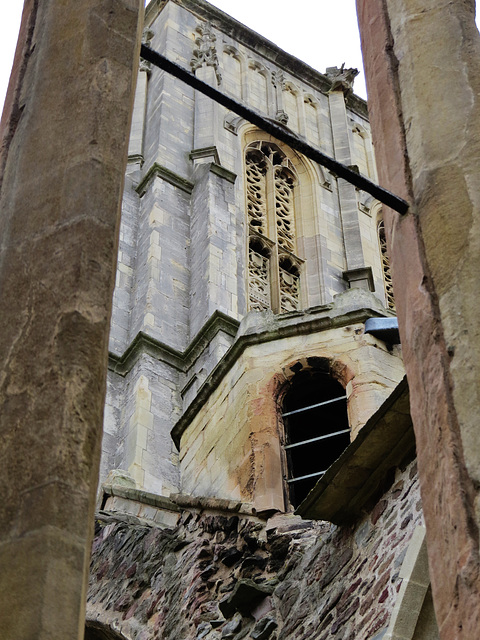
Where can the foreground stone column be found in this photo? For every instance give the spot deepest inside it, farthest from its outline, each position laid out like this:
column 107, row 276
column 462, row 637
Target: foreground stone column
column 423, row 77
column 64, row 137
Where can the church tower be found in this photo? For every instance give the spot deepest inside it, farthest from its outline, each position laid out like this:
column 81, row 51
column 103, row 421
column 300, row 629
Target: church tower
column 239, row 363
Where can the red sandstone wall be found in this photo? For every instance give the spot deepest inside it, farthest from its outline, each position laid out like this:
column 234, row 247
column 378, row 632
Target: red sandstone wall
column 421, row 62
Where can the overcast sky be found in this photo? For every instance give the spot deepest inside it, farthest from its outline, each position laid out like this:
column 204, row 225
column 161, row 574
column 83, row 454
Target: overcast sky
column 322, row 33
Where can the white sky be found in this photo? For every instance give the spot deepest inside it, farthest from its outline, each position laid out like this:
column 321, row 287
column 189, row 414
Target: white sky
column 322, row 33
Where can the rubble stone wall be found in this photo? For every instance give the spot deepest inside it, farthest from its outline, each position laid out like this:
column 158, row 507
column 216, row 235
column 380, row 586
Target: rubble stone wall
column 218, row 576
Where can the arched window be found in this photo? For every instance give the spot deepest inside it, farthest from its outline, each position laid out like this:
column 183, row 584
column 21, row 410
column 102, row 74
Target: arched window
column 98, row 631
column 387, row 274
column 273, row 267
column 314, row 414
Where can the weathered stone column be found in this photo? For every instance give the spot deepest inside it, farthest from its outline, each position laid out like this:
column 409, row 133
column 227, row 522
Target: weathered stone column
column 135, row 145
column 423, row 74
column 64, row 137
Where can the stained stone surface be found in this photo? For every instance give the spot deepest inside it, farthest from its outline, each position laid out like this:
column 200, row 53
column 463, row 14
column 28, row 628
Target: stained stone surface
column 422, row 68
column 63, row 154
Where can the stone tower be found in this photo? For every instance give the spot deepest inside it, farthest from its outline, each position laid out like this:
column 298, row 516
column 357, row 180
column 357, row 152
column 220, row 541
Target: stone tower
column 245, row 274
column 246, row 382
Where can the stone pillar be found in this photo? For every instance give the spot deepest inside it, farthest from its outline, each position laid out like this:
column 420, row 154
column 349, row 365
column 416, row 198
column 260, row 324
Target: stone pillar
column 423, row 77
column 135, row 146
column 64, row 137
column 357, row 274
column 206, row 67
column 214, row 242
column 215, row 253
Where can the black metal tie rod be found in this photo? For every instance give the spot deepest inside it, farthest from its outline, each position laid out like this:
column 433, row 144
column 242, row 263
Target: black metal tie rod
column 290, row 139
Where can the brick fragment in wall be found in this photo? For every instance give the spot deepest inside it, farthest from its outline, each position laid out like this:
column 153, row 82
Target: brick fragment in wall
column 306, row 577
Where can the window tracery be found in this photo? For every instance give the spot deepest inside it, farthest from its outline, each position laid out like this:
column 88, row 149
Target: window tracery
column 259, row 275
column 387, row 273
column 273, row 267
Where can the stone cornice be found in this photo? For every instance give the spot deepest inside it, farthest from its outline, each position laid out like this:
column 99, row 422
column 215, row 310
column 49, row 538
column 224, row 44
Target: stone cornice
column 138, row 495
column 220, row 171
column 257, row 43
column 277, row 327
column 145, row 344
column 159, row 171
column 180, row 360
column 177, row 502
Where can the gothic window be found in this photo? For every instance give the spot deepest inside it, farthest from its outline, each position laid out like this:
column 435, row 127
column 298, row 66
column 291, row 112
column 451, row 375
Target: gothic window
column 314, row 414
column 273, row 267
column 387, row 274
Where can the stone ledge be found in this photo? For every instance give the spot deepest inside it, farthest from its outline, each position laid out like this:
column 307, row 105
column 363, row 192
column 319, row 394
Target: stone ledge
column 220, row 171
column 159, row 171
column 361, row 278
column 213, row 504
column 180, row 360
column 139, row 495
column 205, row 152
column 354, row 306
column 359, row 475
column 127, row 502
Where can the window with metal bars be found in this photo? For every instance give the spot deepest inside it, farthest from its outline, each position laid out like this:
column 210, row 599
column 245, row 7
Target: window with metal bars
column 314, row 414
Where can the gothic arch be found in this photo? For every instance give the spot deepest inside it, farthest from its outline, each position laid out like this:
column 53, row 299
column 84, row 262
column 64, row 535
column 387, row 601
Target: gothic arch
column 291, row 102
column 309, row 97
column 234, row 52
column 360, row 132
column 307, row 205
column 258, row 102
column 311, row 120
column 341, row 369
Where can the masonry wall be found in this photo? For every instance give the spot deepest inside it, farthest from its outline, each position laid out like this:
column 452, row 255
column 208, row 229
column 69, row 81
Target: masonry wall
column 231, row 446
column 224, row 574
column 423, row 82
